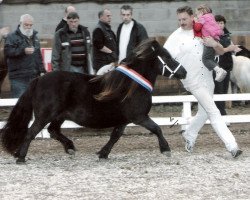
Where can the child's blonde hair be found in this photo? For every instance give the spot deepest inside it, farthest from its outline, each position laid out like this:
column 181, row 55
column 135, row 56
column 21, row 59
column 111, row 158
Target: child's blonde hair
column 204, row 9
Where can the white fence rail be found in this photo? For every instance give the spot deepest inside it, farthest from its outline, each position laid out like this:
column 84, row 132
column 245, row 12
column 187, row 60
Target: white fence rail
column 183, row 120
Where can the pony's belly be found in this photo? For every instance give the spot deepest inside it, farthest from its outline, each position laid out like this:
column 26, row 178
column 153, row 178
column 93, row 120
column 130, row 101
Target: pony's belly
column 101, row 121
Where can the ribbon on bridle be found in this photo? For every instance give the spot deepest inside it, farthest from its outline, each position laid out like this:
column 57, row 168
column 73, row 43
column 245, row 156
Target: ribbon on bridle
column 136, row 77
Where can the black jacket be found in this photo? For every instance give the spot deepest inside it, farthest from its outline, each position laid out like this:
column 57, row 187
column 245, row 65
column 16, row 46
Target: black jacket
column 61, row 24
column 226, row 60
column 103, row 36
column 138, row 34
column 20, row 64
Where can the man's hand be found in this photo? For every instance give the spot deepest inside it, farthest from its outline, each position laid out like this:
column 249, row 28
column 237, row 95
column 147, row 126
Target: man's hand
column 233, row 48
column 29, row 50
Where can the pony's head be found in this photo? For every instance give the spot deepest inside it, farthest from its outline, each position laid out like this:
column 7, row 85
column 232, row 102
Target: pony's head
column 150, row 51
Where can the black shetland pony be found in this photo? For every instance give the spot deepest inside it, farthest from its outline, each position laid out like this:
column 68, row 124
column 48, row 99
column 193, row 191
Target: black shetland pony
column 111, row 100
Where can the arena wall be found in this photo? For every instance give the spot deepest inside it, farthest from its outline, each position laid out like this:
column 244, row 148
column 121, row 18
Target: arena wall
column 159, row 18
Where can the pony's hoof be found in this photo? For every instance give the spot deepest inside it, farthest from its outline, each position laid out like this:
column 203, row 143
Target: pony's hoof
column 71, row 152
column 167, row 153
column 20, row 161
column 101, row 156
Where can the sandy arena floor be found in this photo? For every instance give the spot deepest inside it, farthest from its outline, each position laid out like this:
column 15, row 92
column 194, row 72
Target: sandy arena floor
column 135, row 168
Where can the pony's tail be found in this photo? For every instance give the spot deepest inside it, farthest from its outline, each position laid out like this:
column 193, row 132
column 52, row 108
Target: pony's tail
column 16, row 128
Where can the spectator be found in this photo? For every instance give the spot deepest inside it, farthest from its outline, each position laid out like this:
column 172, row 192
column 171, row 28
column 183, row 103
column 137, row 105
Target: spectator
column 225, row 61
column 104, row 41
column 63, row 22
column 70, row 47
column 24, row 59
column 130, row 33
column 187, row 50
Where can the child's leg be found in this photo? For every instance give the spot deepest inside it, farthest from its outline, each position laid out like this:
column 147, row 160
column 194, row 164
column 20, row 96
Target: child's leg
column 208, row 58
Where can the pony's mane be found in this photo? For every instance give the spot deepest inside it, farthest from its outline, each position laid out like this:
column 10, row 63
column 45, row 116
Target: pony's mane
column 114, row 84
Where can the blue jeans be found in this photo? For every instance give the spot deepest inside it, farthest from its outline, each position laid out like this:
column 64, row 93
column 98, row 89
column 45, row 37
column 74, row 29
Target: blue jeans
column 19, row 85
column 77, row 69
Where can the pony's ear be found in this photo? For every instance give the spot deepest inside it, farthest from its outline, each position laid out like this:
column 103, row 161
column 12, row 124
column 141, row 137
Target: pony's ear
column 147, row 49
column 155, row 46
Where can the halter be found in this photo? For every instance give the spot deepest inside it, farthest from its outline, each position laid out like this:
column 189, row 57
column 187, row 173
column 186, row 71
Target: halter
column 136, row 77
column 166, row 67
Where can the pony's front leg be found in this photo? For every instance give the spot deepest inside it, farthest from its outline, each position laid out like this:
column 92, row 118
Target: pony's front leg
column 114, row 137
column 154, row 128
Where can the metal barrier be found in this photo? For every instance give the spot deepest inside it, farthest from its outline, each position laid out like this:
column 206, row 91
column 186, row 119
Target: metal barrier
column 183, row 120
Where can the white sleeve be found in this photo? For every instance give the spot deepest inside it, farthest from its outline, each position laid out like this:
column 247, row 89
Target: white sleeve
column 172, row 46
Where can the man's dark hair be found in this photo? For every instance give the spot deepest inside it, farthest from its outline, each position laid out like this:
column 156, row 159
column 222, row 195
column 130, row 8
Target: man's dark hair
column 127, row 7
column 220, row 18
column 100, row 13
column 186, row 9
column 73, row 15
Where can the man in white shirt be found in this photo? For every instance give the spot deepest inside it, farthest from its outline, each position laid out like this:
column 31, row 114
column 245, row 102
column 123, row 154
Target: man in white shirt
column 187, row 50
column 129, row 33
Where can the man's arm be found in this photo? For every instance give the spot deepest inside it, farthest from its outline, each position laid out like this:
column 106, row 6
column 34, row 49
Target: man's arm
column 56, row 51
column 142, row 33
column 98, row 41
column 219, row 49
column 12, row 48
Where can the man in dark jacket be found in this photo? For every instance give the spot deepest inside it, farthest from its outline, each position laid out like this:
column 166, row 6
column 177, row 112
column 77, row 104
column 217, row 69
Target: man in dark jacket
column 129, row 33
column 225, row 62
column 71, row 47
column 24, row 59
column 104, row 41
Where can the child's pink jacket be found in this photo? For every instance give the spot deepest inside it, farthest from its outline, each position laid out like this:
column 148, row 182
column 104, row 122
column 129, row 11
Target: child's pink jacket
column 209, row 26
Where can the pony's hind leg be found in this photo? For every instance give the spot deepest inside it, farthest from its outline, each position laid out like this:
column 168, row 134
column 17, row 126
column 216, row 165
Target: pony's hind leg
column 114, row 137
column 55, row 133
column 154, row 128
column 21, row 153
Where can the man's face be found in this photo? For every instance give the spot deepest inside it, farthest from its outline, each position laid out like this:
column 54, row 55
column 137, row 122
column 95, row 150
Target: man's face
column 73, row 24
column 126, row 16
column 26, row 27
column 106, row 17
column 185, row 20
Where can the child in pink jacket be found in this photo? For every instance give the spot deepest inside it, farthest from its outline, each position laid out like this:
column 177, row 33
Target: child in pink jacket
column 207, row 25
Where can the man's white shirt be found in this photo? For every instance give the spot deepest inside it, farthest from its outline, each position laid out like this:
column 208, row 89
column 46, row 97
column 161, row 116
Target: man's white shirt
column 124, row 39
column 187, row 50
